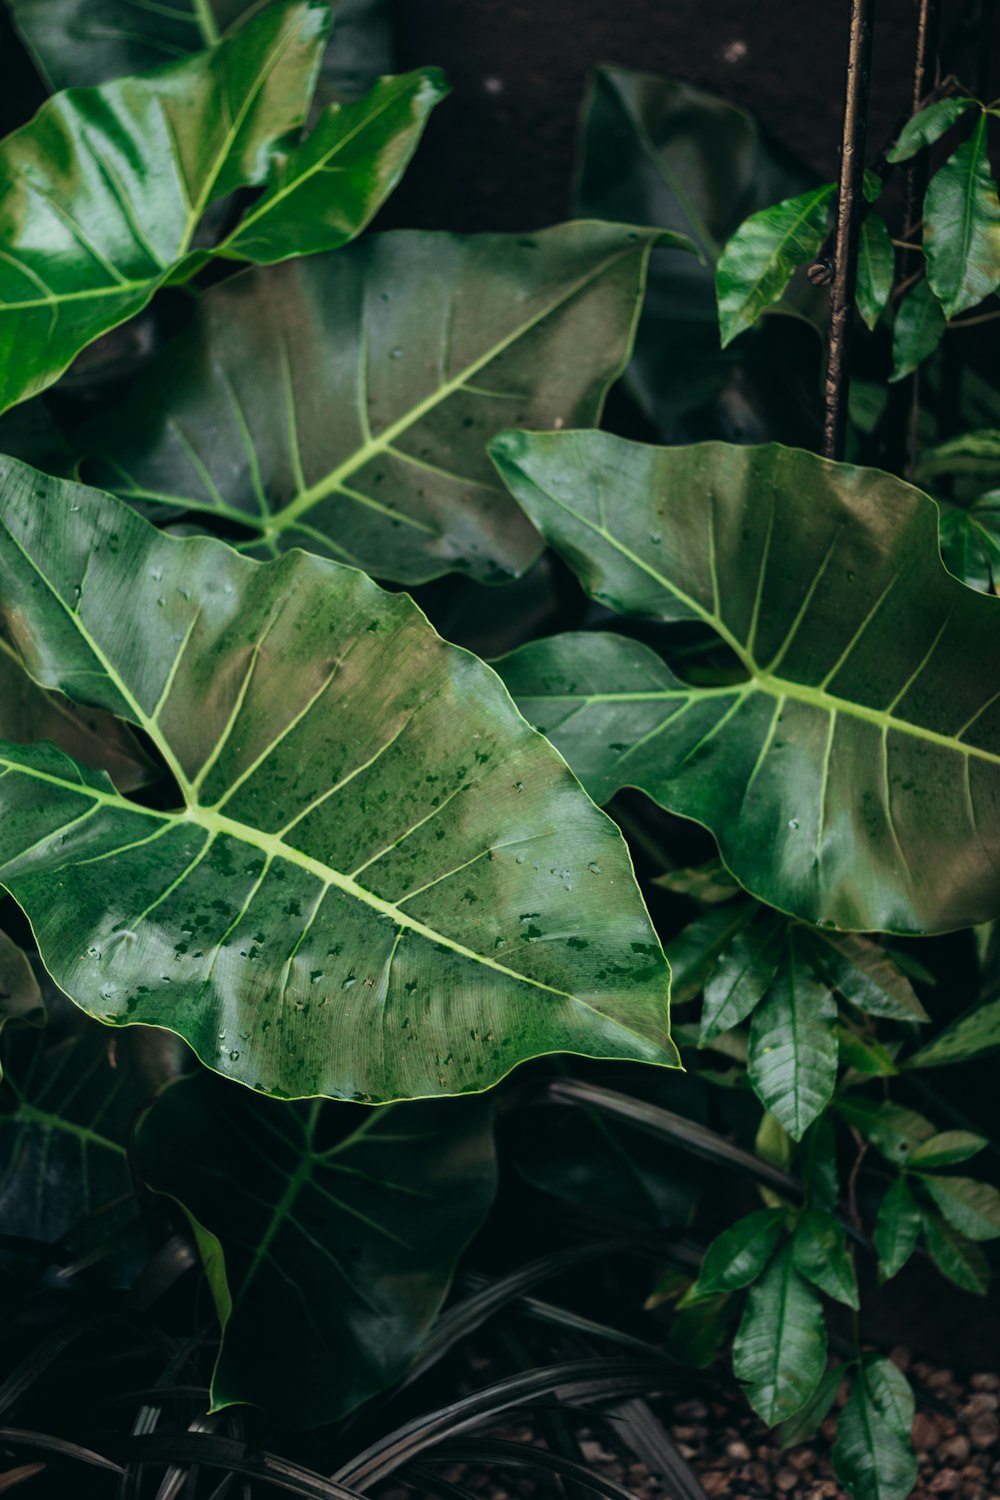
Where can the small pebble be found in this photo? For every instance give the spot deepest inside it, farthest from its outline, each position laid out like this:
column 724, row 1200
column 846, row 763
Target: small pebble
column 715, row 1482
column 901, row 1357
column 984, row 1382
column 926, row 1432
column 739, row 1451
column 802, row 1458
column 955, row 1449
column 785, row 1480
column 982, row 1401
column 944, row 1482
column 984, row 1431
column 938, row 1379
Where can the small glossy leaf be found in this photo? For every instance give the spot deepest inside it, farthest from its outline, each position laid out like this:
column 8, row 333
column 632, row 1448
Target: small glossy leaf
column 970, row 542
column 859, row 759
column 873, row 1456
column 866, row 976
column 329, row 1262
column 920, row 322
column 808, row 1419
column 973, row 1208
column 395, row 360
column 697, row 1333
column 865, row 1054
column 739, row 1254
column 955, row 1256
column 897, row 1228
column 819, row 1250
column 793, row 1047
column 20, row 996
column 742, row 975
column 927, row 126
column 695, row 950
column 891, row 1128
column 780, row 1350
column 890, row 1393
column 876, row 265
column 757, row 263
column 947, row 1148
column 962, row 227
column 364, row 895
column 102, row 193
column 969, row 1036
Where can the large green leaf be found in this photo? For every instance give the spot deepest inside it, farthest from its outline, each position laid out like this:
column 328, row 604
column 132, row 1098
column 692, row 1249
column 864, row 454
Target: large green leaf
column 657, row 152
column 380, row 883
column 853, row 776
column 328, row 1260
column 780, row 1349
column 81, row 42
column 873, row 1456
column 342, row 403
column 758, row 261
column 102, row 195
column 962, row 227
column 792, row 1061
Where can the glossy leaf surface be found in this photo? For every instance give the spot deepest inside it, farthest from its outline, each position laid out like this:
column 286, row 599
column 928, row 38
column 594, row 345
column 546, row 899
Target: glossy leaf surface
column 970, row 542
column 927, row 126
column 743, row 974
column 865, row 975
column 328, row 1262
column 758, row 261
column 947, row 1148
column 873, row 1456
column 962, row 227
column 780, row 1349
column 738, row 1256
column 792, row 1061
column 897, row 1228
column 381, row 883
column 973, row 1208
column 342, row 403
column 956, row 1256
column 819, row 1251
column 969, row 1036
column 876, row 264
column 920, row 322
column 853, row 778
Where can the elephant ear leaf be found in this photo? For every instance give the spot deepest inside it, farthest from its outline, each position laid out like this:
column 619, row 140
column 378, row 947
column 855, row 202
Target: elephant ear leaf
column 377, row 1219
column 379, row 883
column 862, row 740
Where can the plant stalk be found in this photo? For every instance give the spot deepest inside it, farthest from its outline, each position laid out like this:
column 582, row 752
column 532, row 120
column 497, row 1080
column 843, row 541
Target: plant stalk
column 850, row 207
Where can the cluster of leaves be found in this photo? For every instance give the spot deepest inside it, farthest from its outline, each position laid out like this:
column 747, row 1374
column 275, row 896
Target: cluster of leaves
column 257, row 810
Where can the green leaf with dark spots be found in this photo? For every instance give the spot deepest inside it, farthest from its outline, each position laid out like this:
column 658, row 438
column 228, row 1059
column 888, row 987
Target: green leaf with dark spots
column 758, row 261
column 891, row 1128
column 780, row 1349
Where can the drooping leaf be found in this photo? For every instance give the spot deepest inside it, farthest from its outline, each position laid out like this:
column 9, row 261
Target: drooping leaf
column 329, row 1262
column 658, row 152
column 792, row 1062
column 927, row 126
column 695, row 950
column 372, row 895
column 819, row 1250
column 955, row 1256
column 742, row 975
column 77, row 43
column 891, row 1128
column 920, row 322
column 949, row 1147
column 897, row 1228
column 969, row 1036
column 780, row 1349
column 873, row 1456
column 876, row 265
column 970, row 542
column 962, row 227
column 808, row 1419
column 866, row 976
column 973, row 1208
column 393, row 361
column 739, row 1254
column 852, row 778
column 758, row 261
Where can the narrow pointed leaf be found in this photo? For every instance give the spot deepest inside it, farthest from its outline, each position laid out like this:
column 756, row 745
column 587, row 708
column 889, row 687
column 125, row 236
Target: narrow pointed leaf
column 373, row 895
column 780, row 1349
column 876, row 265
column 853, row 777
column 973, row 1208
column 394, row 361
column 695, row 950
column 892, row 1129
column 920, row 322
column 962, row 227
column 866, row 976
column 757, row 263
column 819, row 1250
column 973, row 457
column 331, row 1262
column 955, row 1256
column 792, row 1062
column 742, row 975
column 927, row 126
column 739, row 1254
column 969, row 1036
column 873, row 1457
column 949, row 1147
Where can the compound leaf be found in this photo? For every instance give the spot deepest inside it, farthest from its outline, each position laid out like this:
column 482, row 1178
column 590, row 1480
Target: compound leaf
column 379, row 883
column 859, row 758
column 873, row 1456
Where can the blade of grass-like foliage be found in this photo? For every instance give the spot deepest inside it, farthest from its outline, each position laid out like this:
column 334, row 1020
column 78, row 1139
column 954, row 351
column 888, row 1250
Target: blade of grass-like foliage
column 962, row 226
column 377, row 1221
column 341, row 403
column 853, row 776
column 364, row 894
column 211, row 1451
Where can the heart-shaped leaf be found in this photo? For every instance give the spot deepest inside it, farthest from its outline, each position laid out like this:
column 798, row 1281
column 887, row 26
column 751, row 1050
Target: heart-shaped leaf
column 780, row 1349
column 381, row 882
column 853, row 776
column 393, row 362
column 102, row 195
column 328, row 1260
column 962, row 227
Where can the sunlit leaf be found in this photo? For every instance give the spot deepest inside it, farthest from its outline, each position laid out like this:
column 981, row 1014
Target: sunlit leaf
column 758, row 261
